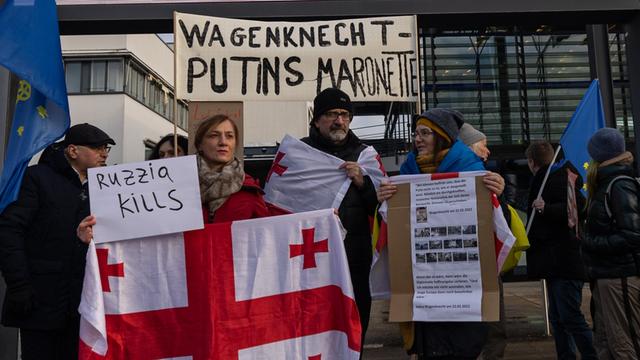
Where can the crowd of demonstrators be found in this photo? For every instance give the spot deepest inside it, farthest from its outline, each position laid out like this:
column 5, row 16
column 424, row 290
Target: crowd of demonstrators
column 41, row 259
column 612, row 246
column 437, row 149
column 43, row 235
column 554, row 254
column 165, row 147
column 329, row 132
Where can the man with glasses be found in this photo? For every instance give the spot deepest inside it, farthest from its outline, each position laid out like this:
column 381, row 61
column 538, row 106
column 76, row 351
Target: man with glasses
column 41, row 258
column 329, row 132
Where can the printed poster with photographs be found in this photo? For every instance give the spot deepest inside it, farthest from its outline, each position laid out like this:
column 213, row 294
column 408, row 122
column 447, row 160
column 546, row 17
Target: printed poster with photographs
column 447, row 278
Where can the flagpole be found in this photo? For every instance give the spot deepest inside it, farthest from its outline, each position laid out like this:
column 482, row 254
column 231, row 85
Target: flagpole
column 175, row 89
column 419, row 73
column 543, row 282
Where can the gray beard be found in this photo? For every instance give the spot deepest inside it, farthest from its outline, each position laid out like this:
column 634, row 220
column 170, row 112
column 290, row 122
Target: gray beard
column 337, row 135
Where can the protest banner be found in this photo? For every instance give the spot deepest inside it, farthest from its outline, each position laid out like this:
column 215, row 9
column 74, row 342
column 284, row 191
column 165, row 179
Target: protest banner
column 144, row 199
column 270, row 288
column 218, row 59
column 442, row 251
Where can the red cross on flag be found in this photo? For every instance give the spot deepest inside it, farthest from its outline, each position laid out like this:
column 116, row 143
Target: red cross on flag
column 303, row 178
column 230, row 291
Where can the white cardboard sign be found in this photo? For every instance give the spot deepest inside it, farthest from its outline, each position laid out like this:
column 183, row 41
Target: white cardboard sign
column 219, row 59
column 144, row 199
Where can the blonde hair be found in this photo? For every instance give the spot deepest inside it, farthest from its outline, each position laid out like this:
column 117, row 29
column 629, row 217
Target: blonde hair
column 592, row 178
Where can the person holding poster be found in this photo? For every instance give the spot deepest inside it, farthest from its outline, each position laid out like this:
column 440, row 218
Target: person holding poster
column 227, row 193
column 612, row 245
column 41, row 258
column 329, row 132
column 554, row 254
column 437, row 149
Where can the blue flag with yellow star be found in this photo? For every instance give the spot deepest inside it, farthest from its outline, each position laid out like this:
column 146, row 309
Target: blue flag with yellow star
column 30, row 48
column 588, row 118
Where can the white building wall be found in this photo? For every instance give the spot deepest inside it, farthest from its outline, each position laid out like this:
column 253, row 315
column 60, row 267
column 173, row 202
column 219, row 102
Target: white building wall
column 141, row 124
column 266, row 122
column 105, row 112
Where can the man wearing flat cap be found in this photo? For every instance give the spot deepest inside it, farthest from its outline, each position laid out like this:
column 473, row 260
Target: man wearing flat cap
column 329, row 132
column 41, row 258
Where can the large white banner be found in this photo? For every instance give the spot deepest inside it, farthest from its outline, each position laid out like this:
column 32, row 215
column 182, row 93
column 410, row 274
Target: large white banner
column 144, row 199
column 221, row 59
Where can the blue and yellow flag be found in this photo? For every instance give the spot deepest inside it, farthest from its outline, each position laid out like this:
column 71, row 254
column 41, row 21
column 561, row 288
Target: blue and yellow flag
column 588, row 118
column 31, row 50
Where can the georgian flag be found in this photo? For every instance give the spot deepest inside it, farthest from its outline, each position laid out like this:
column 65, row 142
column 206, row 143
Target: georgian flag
column 504, row 238
column 257, row 289
column 303, row 178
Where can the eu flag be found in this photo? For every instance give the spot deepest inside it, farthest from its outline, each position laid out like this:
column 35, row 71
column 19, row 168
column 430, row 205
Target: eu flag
column 31, row 50
column 588, row 118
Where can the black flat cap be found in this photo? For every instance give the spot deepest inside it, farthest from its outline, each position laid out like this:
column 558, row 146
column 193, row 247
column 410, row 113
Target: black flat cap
column 86, row 134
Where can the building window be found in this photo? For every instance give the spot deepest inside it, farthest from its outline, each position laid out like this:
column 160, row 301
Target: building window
column 153, row 93
column 94, row 76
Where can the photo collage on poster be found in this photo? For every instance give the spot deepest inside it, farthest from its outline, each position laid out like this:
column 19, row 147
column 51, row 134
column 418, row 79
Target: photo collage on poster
column 444, row 244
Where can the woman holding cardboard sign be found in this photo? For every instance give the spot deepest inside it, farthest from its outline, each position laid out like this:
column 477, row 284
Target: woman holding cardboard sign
column 437, row 150
column 227, row 193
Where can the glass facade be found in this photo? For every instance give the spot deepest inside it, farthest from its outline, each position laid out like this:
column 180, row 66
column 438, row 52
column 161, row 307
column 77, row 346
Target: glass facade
column 117, row 75
column 517, row 88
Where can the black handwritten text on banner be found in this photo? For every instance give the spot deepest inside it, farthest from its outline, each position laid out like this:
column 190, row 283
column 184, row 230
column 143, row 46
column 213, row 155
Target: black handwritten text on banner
column 218, row 59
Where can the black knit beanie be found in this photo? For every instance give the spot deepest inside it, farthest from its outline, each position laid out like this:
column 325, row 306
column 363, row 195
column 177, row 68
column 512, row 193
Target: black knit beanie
column 331, row 98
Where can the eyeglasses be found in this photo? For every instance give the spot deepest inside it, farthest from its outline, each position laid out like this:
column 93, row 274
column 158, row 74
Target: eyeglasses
column 101, row 148
column 423, row 133
column 333, row 115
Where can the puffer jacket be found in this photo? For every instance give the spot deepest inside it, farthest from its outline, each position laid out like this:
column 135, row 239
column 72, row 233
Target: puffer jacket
column 612, row 245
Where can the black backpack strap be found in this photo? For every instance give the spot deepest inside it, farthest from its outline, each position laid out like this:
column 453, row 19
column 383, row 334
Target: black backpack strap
column 608, row 192
column 629, row 313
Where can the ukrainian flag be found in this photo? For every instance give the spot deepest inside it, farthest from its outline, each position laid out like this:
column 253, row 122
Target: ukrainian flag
column 31, row 49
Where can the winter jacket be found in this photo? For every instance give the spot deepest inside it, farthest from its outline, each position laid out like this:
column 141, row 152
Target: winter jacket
column 357, row 206
column 554, row 251
column 612, row 245
column 245, row 204
column 453, row 339
column 458, row 157
column 41, row 258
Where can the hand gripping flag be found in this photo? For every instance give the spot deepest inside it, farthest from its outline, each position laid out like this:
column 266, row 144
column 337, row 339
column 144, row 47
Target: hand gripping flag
column 303, row 178
column 503, row 237
column 31, row 50
column 270, row 288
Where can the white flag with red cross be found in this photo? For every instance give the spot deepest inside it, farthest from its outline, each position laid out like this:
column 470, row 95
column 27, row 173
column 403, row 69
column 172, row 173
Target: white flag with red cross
column 257, row 289
column 303, row 178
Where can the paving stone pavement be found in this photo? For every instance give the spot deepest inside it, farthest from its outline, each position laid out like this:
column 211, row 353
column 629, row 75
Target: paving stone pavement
column 525, row 326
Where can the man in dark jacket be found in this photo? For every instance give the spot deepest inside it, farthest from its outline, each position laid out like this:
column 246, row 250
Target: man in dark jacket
column 329, row 132
column 41, row 258
column 554, row 253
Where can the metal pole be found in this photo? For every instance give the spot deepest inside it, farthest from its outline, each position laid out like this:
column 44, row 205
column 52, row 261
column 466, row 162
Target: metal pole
column 419, row 71
column 633, row 57
column 175, row 87
column 600, row 64
column 545, row 307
